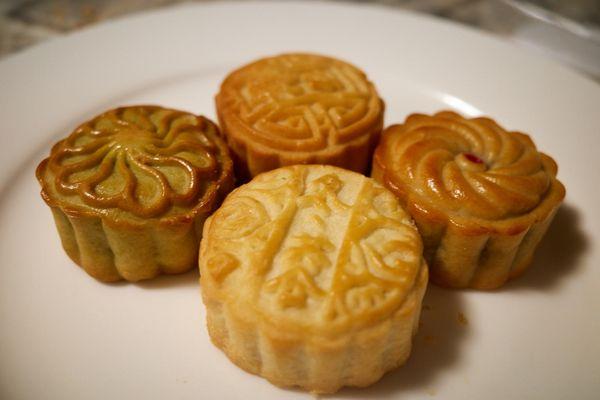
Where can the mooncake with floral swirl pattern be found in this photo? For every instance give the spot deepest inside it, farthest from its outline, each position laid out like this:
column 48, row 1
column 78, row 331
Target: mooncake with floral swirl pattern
column 481, row 196
column 299, row 109
column 313, row 277
column 130, row 190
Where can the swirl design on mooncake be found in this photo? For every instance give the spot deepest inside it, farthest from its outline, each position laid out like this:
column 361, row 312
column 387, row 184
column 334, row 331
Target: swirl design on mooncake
column 481, row 196
column 301, row 105
column 318, row 274
column 147, row 161
column 467, row 167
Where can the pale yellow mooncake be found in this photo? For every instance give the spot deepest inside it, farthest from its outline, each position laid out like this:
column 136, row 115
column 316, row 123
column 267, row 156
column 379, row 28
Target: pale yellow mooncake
column 313, row 277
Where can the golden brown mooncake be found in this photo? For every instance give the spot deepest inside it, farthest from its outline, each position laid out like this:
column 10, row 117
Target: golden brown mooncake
column 481, row 196
column 313, row 277
column 130, row 190
column 299, row 109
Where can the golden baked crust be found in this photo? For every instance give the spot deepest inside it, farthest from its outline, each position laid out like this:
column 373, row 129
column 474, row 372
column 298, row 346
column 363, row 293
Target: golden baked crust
column 131, row 188
column 481, row 196
column 312, row 276
column 299, row 109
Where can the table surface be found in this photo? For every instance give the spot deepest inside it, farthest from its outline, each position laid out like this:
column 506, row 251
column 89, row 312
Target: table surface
column 26, row 22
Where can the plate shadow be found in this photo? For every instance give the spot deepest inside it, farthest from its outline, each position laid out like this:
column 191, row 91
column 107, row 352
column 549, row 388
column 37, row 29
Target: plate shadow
column 436, row 348
column 557, row 255
column 177, row 281
column 186, row 279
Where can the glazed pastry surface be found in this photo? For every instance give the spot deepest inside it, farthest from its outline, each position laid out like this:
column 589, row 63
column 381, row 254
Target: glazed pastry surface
column 136, row 162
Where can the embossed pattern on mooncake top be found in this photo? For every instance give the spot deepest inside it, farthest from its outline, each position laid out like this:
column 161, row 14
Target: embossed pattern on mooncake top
column 144, row 160
column 315, row 247
column 301, row 102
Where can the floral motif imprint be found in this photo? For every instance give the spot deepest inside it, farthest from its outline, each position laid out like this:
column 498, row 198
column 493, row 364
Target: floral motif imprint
column 143, row 160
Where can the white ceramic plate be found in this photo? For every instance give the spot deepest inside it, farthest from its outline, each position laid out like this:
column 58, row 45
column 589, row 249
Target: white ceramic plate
column 65, row 336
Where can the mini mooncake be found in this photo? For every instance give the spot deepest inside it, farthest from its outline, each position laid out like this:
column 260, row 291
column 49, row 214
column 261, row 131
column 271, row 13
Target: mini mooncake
column 130, row 190
column 313, row 277
column 299, row 109
column 481, row 196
